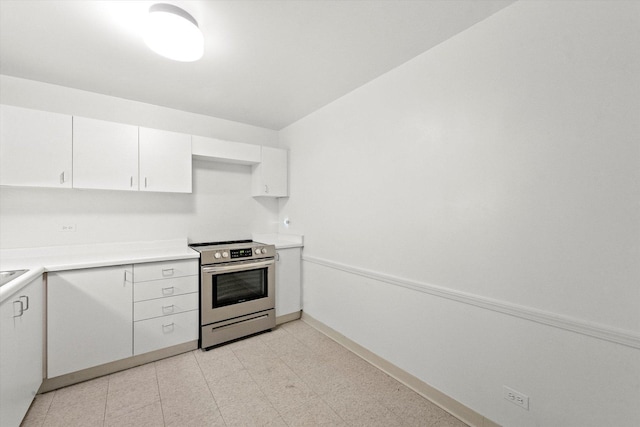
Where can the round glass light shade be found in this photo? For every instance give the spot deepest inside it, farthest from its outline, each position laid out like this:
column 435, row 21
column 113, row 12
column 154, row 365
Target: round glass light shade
column 173, row 33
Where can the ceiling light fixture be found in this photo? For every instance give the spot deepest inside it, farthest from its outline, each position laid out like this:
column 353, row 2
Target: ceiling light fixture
column 173, row 33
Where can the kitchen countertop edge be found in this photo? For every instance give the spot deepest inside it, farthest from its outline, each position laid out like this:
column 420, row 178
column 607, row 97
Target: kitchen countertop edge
column 14, row 286
column 42, row 263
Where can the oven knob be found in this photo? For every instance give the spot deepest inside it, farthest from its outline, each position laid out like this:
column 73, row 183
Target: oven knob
column 258, row 251
column 264, row 251
column 225, row 254
column 217, row 255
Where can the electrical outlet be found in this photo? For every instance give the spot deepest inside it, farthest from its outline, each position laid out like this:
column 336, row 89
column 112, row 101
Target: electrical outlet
column 515, row 397
column 67, row 227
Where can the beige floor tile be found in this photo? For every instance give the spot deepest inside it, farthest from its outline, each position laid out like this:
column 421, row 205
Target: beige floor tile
column 180, row 374
column 78, row 405
column 356, row 408
column 287, row 395
column 79, row 394
column 324, row 380
column 191, row 410
column 297, row 327
column 132, row 390
column 304, row 359
column 89, row 413
column 258, row 413
column 218, row 362
column 254, row 354
column 275, row 333
column 146, row 416
column 274, row 370
column 285, row 344
column 38, row 410
column 238, row 388
column 313, row 413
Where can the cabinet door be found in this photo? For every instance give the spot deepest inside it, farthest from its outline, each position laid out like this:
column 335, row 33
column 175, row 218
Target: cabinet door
column 105, row 155
column 35, row 148
column 288, row 289
column 165, row 161
column 270, row 175
column 90, row 320
column 20, row 352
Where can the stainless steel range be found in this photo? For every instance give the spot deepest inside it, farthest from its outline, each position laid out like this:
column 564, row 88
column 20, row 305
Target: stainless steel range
column 237, row 290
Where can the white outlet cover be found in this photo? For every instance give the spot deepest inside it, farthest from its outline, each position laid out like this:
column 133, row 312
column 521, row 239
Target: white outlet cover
column 515, row 397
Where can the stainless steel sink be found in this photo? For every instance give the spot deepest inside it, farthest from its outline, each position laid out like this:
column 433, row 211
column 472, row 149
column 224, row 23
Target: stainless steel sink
column 7, row 276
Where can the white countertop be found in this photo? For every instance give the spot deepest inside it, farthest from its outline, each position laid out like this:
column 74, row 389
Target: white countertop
column 58, row 258
column 281, row 241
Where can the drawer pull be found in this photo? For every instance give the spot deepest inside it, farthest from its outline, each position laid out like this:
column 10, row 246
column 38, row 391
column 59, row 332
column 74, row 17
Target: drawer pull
column 167, row 308
column 167, row 272
column 168, row 327
column 21, row 309
column 167, row 291
column 26, row 304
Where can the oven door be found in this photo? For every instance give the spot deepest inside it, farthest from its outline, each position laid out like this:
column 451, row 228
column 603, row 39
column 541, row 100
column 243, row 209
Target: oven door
column 235, row 289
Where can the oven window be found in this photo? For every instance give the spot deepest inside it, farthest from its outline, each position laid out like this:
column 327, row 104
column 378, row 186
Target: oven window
column 234, row 288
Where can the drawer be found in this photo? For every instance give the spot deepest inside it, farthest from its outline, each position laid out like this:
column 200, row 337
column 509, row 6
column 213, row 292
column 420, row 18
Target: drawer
column 164, row 306
column 164, row 288
column 166, row 331
column 165, row 270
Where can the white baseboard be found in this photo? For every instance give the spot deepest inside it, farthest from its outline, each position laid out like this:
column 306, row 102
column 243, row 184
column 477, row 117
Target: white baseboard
column 288, row 317
column 450, row 405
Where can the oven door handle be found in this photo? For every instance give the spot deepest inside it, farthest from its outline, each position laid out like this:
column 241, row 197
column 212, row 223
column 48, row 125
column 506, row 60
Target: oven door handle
column 243, row 267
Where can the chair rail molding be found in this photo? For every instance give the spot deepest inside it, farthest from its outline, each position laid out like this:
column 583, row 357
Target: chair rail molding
column 599, row 331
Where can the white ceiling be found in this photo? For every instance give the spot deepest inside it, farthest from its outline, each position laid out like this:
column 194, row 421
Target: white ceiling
column 266, row 63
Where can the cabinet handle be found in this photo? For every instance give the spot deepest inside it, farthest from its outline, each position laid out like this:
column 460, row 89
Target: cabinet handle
column 277, row 256
column 167, row 272
column 62, row 178
column 167, row 308
column 145, row 182
column 126, row 279
column 167, row 291
column 26, row 301
column 170, row 325
column 131, row 182
column 21, row 309
column 266, row 189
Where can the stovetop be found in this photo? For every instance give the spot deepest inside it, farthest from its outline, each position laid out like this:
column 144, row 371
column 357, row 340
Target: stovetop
column 196, row 246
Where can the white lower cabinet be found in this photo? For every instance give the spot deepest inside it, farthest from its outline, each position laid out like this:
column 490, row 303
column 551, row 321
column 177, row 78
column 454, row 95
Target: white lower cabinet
column 288, row 281
column 101, row 315
column 161, row 332
column 166, row 304
column 20, row 352
column 89, row 318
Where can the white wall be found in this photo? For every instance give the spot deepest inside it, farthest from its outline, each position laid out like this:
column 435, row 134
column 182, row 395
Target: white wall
column 502, row 166
column 220, row 207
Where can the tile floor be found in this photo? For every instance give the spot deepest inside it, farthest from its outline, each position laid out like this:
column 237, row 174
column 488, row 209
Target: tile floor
column 291, row 376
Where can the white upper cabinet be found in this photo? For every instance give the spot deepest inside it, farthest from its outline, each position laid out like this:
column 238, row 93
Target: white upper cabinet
column 165, row 161
column 225, row 151
column 35, row 148
column 270, row 175
column 105, row 155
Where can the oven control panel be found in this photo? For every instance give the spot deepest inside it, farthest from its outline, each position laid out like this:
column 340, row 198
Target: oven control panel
column 218, row 254
column 242, row 253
